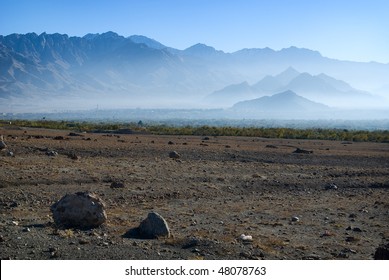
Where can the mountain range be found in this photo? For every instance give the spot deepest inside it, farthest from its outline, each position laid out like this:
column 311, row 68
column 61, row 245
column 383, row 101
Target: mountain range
column 320, row 88
column 58, row 71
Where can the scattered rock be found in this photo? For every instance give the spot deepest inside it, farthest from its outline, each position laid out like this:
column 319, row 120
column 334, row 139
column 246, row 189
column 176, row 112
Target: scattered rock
column 170, row 143
column 302, row 151
column 357, row 229
column 52, row 153
column 271, row 147
column 327, row 233
column 80, row 210
column 312, row 257
column 193, row 242
column 331, row 186
column 174, row 154
column 295, row 219
column 13, row 204
column 245, row 238
column 10, row 154
column 74, row 156
column 351, row 239
column 153, row 226
column 382, row 252
column 74, row 134
column 117, row 185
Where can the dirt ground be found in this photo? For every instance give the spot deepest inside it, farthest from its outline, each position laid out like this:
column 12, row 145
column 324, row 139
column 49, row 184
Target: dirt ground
column 219, row 188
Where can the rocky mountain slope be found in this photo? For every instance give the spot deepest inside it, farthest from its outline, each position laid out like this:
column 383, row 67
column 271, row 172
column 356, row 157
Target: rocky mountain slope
column 61, row 71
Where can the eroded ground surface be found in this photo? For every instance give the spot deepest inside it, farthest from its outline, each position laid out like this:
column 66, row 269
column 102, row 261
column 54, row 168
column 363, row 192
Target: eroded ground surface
column 220, row 188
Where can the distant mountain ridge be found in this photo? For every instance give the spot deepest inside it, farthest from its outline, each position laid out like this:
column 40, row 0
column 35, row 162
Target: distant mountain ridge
column 320, row 88
column 62, row 71
column 287, row 101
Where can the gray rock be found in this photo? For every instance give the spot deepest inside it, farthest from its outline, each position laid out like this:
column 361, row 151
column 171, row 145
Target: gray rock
column 295, row 219
column 302, row 151
column 51, row 153
column 174, row 154
column 153, row 226
column 80, row 210
column 331, row 186
column 117, row 185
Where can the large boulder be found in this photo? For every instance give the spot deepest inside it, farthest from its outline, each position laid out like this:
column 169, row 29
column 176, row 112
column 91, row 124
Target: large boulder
column 80, row 210
column 153, row 226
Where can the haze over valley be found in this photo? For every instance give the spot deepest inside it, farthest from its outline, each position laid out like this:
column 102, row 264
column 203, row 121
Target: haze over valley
column 56, row 73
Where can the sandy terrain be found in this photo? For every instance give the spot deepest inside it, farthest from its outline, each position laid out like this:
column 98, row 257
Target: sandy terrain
column 220, row 188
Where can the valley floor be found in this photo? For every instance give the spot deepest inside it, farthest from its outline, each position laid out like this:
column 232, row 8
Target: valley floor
column 219, row 188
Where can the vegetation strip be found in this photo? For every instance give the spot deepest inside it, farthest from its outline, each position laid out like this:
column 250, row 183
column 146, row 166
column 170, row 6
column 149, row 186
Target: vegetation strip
column 381, row 136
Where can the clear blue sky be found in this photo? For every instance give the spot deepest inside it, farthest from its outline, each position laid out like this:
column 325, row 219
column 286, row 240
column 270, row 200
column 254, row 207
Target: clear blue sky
column 348, row 30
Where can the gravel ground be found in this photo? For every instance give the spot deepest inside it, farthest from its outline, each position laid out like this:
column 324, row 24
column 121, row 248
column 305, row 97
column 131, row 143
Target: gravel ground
column 218, row 189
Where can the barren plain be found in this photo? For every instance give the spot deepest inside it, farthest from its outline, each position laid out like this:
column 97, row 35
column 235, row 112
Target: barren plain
column 332, row 203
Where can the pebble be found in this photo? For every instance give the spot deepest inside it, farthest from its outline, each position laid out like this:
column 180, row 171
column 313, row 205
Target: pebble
column 174, row 155
column 331, row 186
column 295, row 219
column 245, row 238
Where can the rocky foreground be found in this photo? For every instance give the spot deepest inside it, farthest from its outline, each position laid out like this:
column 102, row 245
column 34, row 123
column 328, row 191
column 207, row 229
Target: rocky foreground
column 221, row 197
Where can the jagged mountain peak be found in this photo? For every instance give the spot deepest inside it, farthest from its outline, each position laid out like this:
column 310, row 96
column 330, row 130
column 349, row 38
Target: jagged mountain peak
column 151, row 43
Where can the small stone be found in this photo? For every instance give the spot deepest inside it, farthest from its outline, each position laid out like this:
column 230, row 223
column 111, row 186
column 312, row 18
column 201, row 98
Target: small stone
column 246, row 238
column 13, row 204
column 51, row 153
column 193, row 242
column 351, row 239
column 26, row 229
column 302, row 151
column 271, row 146
column 74, row 156
column 10, row 154
column 174, row 155
column 331, row 186
column 295, row 219
column 170, row 143
column 117, row 185
column 357, row 229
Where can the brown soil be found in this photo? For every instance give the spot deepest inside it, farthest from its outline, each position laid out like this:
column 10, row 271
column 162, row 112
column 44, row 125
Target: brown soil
column 218, row 189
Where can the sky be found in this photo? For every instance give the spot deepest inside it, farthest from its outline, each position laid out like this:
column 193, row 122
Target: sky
column 356, row 30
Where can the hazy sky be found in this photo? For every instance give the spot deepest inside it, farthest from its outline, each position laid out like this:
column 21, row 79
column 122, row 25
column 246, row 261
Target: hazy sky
column 348, row 30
